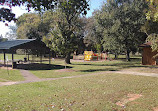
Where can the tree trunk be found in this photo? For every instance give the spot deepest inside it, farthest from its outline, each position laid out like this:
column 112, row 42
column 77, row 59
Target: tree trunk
column 128, row 56
column 67, row 58
column 116, row 56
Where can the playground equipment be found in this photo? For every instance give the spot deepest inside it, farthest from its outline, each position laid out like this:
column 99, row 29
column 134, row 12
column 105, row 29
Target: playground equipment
column 89, row 55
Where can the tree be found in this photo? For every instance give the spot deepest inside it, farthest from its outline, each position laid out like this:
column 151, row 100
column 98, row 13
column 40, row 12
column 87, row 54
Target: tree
column 109, row 26
column 153, row 10
column 90, row 38
column 2, row 39
column 93, row 34
column 71, row 10
column 65, row 32
column 7, row 15
column 28, row 26
column 122, row 21
column 12, row 33
column 151, row 25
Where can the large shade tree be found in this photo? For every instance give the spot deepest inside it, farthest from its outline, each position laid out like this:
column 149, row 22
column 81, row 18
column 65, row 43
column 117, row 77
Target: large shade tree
column 93, row 33
column 29, row 26
column 152, row 24
column 7, row 15
column 153, row 10
column 70, row 9
column 65, row 34
column 122, row 22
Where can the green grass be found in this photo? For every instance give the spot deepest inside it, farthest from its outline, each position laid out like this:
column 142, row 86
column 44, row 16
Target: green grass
column 90, row 93
column 20, row 57
column 16, row 56
column 10, row 75
column 81, row 68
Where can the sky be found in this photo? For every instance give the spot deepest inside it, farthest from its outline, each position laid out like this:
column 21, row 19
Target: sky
column 94, row 4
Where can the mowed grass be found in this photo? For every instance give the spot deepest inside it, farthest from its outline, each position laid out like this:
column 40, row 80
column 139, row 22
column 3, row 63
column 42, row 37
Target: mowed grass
column 9, row 56
column 80, row 68
column 10, row 75
column 89, row 93
column 20, row 57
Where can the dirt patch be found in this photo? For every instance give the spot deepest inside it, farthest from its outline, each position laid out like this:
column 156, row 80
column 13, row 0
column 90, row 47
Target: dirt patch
column 155, row 108
column 9, row 68
column 129, row 98
column 7, row 83
column 65, row 70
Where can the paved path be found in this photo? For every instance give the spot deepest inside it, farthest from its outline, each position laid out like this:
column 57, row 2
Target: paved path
column 28, row 76
column 32, row 78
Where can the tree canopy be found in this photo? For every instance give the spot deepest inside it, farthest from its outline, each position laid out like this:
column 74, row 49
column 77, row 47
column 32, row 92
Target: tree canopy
column 60, row 26
column 151, row 25
column 153, row 10
column 79, row 6
column 28, row 26
column 65, row 32
column 122, row 22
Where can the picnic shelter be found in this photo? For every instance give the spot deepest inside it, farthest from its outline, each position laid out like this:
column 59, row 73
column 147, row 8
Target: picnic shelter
column 11, row 46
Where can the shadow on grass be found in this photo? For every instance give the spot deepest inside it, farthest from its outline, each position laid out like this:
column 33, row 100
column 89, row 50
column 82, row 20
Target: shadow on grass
column 110, row 63
column 95, row 70
column 38, row 66
column 123, row 64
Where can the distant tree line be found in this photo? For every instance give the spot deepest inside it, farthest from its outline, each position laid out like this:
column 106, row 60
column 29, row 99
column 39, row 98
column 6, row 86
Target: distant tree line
column 119, row 26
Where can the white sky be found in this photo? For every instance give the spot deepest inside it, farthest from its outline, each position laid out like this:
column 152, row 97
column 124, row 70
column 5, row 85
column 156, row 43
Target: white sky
column 94, row 4
column 18, row 12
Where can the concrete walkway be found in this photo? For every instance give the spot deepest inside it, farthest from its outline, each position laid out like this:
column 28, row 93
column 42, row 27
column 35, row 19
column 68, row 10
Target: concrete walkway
column 28, row 76
column 32, row 78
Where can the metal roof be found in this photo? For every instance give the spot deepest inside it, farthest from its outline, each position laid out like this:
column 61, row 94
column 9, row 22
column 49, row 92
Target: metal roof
column 147, row 44
column 12, row 43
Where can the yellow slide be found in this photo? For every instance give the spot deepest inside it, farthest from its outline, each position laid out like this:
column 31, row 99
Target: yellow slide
column 88, row 55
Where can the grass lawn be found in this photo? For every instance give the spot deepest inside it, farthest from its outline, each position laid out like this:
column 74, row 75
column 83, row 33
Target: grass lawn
column 90, row 93
column 86, row 67
column 19, row 57
column 16, row 56
column 14, row 75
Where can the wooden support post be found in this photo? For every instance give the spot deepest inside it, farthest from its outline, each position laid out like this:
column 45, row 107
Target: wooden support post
column 32, row 59
column 12, row 57
column 49, row 58
column 40, row 58
column 28, row 57
column 4, row 58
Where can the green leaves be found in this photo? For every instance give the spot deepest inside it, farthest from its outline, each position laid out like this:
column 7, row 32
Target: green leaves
column 67, row 6
column 64, row 30
column 121, row 22
column 28, row 26
column 153, row 38
column 6, row 15
column 152, row 14
column 151, row 25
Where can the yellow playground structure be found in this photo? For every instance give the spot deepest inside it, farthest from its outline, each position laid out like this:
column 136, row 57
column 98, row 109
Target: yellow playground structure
column 89, row 55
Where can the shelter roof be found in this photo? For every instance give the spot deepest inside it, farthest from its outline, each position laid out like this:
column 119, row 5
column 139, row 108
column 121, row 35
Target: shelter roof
column 12, row 43
column 147, row 44
column 23, row 44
